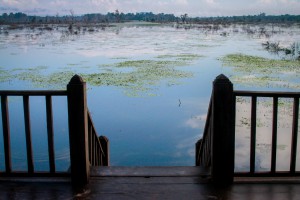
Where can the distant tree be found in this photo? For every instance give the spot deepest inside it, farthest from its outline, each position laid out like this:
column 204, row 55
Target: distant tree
column 72, row 15
column 33, row 19
column 184, row 17
column 117, row 16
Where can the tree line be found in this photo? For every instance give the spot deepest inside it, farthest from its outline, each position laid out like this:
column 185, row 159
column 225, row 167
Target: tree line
column 119, row 17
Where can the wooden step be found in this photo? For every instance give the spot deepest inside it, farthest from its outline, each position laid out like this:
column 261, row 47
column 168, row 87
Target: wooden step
column 116, row 171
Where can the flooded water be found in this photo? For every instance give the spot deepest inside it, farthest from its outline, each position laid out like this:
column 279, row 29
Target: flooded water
column 148, row 86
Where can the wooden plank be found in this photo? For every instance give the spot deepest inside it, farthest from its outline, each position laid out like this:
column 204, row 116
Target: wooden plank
column 274, row 134
column 51, row 152
column 253, row 134
column 6, row 133
column 28, row 134
column 294, row 135
column 149, row 171
column 191, row 188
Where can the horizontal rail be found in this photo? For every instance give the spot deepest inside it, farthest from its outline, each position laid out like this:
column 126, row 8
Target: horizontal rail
column 36, row 174
column 33, row 92
column 267, row 174
column 267, row 94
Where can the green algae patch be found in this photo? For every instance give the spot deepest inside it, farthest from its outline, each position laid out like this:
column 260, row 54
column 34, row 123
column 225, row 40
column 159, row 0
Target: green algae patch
column 262, row 72
column 134, row 77
column 246, row 63
column 150, row 64
column 139, row 77
column 4, row 75
column 57, row 80
column 182, row 57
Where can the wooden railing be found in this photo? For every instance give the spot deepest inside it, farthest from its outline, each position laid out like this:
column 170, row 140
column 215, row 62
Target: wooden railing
column 275, row 96
column 98, row 146
column 6, row 131
column 86, row 148
column 203, row 146
column 216, row 149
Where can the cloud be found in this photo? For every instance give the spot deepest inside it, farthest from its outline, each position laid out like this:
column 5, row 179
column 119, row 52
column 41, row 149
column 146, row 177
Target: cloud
column 211, row 2
column 196, row 122
column 181, row 2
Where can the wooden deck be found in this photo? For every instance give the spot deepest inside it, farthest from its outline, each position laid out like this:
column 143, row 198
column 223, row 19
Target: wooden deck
column 150, row 183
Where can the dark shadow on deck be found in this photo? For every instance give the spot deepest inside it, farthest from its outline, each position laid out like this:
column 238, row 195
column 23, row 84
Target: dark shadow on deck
column 149, row 183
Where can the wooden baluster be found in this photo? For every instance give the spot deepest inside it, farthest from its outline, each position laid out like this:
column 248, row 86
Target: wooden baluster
column 98, row 153
column 274, row 135
column 93, row 148
column 28, row 134
column 6, row 133
column 90, row 142
column 198, row 153
column 105, row 147
column 253, row 134
column 51, row 152
column 294, row 135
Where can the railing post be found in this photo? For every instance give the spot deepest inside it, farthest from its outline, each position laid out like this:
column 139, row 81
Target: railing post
column 78, row 132
column 105, row 147
column 197, row 149
column 223, row 116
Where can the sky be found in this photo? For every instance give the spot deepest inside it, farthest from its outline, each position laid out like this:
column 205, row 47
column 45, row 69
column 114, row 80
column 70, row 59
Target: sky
column 194, row 8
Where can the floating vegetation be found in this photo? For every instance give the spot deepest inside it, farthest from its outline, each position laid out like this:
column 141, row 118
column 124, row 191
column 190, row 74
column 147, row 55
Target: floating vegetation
column 184, row 57
column 138, row 81
column 263, row 72
column 259, row 64
column 4, row 75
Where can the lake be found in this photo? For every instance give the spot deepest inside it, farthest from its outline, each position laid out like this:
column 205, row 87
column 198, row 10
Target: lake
column 149, row 85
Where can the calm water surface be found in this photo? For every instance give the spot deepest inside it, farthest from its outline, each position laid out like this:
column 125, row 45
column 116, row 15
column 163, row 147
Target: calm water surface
column 158, row 125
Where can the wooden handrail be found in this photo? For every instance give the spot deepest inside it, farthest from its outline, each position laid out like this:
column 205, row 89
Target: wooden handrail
column 266, row 94
column 33, row 92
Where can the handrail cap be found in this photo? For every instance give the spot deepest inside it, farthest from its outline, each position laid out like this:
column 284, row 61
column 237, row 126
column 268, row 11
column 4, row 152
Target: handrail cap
column 222, row 79
column 76, row 79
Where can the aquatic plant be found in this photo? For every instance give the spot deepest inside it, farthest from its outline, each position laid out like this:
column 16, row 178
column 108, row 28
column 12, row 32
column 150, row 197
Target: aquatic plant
column 293, row 51
column 135, row 77
column 262, row 72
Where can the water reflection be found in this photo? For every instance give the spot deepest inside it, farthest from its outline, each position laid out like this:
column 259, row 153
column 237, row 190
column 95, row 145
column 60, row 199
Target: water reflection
column 144, row 129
